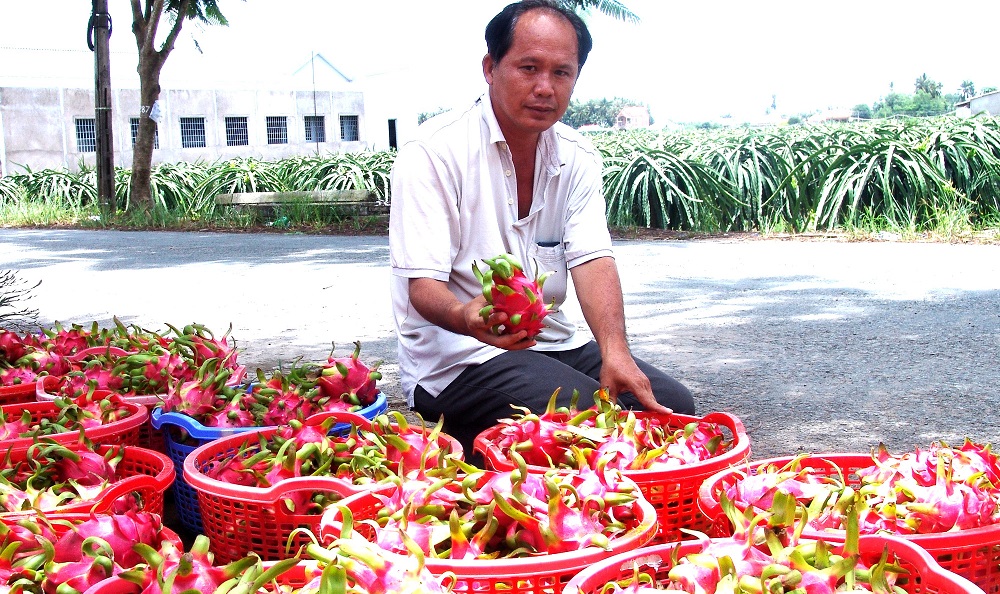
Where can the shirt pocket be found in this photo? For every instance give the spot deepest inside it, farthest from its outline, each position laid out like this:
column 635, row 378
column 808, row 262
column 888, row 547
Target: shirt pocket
column 551, row 259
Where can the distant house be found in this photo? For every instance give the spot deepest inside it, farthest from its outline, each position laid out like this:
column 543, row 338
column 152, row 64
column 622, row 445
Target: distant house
column 633, row 116
column 988, row 103
column 833, row 115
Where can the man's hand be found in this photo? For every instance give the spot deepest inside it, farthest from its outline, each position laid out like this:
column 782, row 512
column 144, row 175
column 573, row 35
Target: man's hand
column 439, row 306
column 482, row 330
column 619, row 373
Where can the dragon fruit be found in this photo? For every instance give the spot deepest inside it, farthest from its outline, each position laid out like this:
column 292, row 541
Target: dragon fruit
column 96, row 564
column 198, row 396
column 11, row 428
column 174, row 570
column 368, row 567
column 119, row 531
column 508, row 290
column 12, row 347
column 348, row 379
column 15, row 376
column 933, row 490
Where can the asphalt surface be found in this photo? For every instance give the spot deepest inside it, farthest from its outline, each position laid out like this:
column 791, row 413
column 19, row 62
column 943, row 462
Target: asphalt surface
column 817, row 346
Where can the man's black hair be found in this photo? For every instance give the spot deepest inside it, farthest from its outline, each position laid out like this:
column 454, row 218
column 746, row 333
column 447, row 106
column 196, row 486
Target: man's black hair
column 500, row 30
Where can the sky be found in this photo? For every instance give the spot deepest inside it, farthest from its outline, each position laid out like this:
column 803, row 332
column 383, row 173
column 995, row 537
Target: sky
column 688, row 61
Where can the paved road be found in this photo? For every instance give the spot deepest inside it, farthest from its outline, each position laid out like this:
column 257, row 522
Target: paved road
column 816, row 346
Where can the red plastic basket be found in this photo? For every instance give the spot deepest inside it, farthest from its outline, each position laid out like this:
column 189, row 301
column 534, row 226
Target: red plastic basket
column 925, row 575
column 173, row 425
column 143, row 471
column 673, row 492
column 124, row 431
column 240, row 520
column 18, row 394
column 973, row 554
column 540, row 574
column 149, row 437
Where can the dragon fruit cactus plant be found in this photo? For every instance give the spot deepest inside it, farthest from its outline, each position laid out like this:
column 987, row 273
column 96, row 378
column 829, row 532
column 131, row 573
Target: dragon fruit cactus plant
column 508, row 290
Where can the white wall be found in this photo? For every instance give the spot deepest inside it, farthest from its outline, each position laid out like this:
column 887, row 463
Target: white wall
column 38, row 126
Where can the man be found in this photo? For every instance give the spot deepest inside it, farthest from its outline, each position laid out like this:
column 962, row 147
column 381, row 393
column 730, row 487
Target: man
column 505, row 177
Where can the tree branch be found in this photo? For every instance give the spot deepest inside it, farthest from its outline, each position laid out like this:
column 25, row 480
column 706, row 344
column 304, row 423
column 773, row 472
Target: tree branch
column 168, row 43
column 138, row 24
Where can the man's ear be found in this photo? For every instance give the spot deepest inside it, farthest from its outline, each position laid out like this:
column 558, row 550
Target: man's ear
column 488, row 68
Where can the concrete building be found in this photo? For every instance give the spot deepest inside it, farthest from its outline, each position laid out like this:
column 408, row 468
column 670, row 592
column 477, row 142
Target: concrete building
column 988, row 103
column 47, row 121
column 55, row 128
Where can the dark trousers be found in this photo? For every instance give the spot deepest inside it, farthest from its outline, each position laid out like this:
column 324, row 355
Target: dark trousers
column 484, row 393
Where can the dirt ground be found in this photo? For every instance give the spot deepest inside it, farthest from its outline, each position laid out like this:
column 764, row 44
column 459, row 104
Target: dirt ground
column 816, row 343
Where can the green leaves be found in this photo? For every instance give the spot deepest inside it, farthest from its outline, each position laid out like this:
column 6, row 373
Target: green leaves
column 940, row 173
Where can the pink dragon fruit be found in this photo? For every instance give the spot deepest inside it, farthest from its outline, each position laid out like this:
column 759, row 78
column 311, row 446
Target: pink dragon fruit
column 45, row 362
column 173, row 570
column 233, row 414
column 12, row 347
column 408, row 450
column 95, row 563
column 198, row 396
column 542, row 440
column 67, row 341
column 508, row 290
column 349, row 379
column 15, row 376
column 16, row 427
column 367, row 567
column 120, row 532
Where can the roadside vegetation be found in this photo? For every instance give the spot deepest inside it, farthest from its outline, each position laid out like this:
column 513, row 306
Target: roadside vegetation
column 914, row 178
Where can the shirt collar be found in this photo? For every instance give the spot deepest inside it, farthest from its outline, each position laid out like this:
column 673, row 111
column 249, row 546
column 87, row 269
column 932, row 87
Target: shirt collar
column 548, row 145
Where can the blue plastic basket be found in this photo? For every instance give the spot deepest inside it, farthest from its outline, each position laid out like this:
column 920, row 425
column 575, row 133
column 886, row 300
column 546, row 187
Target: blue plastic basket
column 185, row 496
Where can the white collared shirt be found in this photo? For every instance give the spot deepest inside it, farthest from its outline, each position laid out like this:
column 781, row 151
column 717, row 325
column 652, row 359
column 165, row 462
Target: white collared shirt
column 454, row 203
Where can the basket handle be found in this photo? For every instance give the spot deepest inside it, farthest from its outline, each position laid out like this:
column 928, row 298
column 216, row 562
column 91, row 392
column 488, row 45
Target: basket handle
column 140, row 482
column 42, row 385
column 303, row 483
column 111, row 351
column 342, row 416
column 731, row 421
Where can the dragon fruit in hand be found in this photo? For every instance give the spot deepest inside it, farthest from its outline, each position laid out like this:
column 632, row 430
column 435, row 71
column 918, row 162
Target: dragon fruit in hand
column 507, row 289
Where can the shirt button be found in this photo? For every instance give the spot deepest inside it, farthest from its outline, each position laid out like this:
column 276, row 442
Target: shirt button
column 507, row 173
column 510, row 201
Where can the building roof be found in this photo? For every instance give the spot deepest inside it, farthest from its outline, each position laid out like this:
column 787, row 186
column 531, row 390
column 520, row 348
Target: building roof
column 968, row 102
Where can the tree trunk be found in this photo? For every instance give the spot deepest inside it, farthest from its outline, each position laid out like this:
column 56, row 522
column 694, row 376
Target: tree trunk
column 144, row 24
column 142, row 154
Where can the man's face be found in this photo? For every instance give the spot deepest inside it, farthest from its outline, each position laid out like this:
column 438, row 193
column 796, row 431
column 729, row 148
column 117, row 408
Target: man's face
column 530, row 87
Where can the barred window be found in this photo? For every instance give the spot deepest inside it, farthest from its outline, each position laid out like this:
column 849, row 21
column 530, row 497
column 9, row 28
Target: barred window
column 277, row 130
column 237, row 132
column 133, row 124
column 315, row 129
column 192, row 132
column 86, row 135
column 349, row 129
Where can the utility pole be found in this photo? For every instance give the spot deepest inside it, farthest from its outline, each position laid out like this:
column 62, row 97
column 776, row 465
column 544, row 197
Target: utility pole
column 99, row 41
